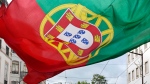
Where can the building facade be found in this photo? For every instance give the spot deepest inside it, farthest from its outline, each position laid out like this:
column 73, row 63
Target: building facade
column 134, row 72
column 18, row 70
column 12, row 68
column 5, row 62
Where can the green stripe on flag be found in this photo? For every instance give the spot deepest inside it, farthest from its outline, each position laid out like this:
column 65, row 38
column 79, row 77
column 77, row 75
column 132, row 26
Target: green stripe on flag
column 129, row 18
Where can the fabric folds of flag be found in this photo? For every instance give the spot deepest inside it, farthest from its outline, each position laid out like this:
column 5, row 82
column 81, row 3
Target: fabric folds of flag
column 52, row 36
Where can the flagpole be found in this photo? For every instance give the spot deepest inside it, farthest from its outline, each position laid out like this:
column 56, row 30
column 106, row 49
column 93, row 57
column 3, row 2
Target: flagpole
column 141, row 64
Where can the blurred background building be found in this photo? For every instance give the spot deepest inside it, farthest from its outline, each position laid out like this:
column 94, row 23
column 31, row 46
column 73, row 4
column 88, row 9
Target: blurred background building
column 139, row 73
column 5, row 63
column 12, row 68
column 18, row 70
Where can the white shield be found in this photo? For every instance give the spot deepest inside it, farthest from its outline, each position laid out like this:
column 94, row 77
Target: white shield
column 78, row 36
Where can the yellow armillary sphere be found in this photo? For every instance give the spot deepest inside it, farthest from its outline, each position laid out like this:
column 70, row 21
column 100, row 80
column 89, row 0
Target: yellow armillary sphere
column 82, row 13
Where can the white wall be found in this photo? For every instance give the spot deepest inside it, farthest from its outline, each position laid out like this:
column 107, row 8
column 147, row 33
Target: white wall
column 4, row 59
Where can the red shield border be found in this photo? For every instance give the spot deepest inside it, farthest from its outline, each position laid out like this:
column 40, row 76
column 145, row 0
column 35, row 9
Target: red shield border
column 69, row 18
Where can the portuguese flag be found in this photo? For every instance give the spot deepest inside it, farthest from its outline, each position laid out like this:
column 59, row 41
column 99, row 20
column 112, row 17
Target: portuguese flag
column 52, row 36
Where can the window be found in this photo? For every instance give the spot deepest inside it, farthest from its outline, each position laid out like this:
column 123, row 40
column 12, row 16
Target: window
column 146, row 67
column 137, row 73
column 136, row 51
column 141, row 70
column 133, row 75
column 7, row 50
column 24, row 72
column 129, row 77
column 132, row 57
column 15, row 67
column 145, row 46
column 25, row 68
column 14, row 82
column 0, row 43
column 6, row 73
column 129, row 58
column 12, row 51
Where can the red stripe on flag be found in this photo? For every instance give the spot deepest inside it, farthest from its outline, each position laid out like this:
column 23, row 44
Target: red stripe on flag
column 23, row 19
